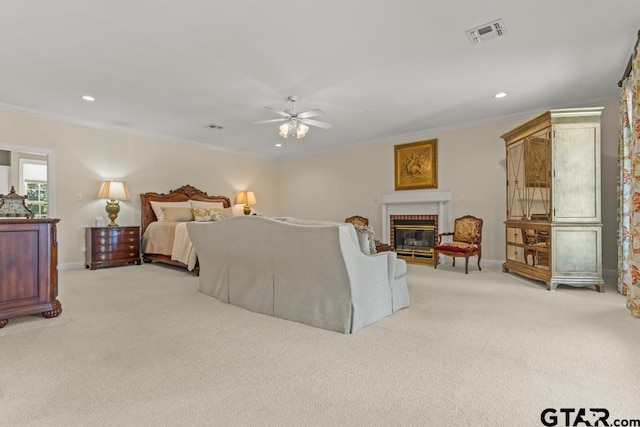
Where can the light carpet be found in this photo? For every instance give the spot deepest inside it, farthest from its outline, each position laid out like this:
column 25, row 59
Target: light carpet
column 139, row 346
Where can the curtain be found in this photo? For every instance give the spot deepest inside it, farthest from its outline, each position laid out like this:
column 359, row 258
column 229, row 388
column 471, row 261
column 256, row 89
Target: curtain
column 629, row 188
column 624, row 189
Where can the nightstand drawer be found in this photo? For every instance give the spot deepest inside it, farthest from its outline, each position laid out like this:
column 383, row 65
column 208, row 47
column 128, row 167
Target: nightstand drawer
column 115, row 240
column 115, row 232
column 112, row 246
column 116, row 256
column 134, row 246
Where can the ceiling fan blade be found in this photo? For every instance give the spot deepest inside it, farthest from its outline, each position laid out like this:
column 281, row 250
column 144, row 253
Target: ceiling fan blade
column 282, row 113
column 310, row 113
column 271, row 121
column 316, row 123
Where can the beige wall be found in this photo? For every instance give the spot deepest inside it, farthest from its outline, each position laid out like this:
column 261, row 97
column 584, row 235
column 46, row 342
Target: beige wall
column 329, row 186
column 471, row 163
column 86, row 156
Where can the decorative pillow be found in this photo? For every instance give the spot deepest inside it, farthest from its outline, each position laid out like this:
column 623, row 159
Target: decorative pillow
column 366, row 238
column 177, row 214
column 206, row 205
column 206, row 215
column 157, row 207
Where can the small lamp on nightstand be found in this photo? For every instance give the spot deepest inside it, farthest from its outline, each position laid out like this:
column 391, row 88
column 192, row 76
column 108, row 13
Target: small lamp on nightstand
column 247, row 198
column 113, row 192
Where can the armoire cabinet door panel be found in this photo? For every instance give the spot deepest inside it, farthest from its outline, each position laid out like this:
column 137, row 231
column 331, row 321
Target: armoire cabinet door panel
column 577, row 251
column 577, row 175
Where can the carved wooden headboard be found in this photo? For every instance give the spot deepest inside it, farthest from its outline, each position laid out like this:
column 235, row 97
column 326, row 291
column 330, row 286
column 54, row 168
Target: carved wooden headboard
column 186, row 192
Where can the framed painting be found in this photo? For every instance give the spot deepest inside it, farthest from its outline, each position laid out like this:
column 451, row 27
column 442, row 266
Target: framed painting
column 416, row 165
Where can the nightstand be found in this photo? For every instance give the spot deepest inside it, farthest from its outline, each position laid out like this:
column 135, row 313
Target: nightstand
column 112, row 246
column 383, row 247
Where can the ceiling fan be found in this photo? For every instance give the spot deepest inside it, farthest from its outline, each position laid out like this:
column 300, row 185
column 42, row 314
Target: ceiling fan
column 295, row 122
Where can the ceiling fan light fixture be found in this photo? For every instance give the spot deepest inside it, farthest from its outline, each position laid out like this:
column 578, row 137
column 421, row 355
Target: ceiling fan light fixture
column 301, row 130
column 293, row 128
column 296, row 123
column 284, row 130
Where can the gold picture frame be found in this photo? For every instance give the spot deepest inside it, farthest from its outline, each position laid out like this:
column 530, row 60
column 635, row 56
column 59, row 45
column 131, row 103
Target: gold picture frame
column 416, row 165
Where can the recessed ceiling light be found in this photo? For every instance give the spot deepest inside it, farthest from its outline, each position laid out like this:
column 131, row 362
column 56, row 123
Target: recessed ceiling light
column 500, row 95
column 370, row 110
column 278, row 145
column 88, row 98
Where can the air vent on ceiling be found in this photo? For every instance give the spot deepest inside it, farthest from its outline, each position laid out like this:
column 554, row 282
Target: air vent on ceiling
column 487, row 31
column 214, row 126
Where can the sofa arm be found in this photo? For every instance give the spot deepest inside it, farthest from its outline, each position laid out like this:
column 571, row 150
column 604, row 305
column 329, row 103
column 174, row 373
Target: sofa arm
column 397, row 280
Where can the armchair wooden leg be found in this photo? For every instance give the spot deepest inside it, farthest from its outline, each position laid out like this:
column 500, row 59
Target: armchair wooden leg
column 466, row 264
column 435, row 259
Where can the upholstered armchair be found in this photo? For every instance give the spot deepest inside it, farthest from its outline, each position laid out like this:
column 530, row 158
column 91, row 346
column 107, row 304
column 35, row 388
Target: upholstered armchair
column 366, row 235
column 466, row 241
column 357, row 220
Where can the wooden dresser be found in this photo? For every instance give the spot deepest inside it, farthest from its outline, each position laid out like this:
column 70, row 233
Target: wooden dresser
column 112, row 246
column 28, row 268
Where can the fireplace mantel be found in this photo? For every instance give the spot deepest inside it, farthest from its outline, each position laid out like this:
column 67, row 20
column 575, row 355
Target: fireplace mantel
column 417, row 202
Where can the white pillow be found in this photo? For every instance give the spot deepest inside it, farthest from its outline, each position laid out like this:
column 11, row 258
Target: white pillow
column 157, row 207
column 206, row 205
column 177, row 214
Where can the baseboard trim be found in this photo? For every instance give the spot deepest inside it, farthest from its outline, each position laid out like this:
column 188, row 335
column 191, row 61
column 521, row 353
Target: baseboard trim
column 71, row 266
column 606, row 273
column 446, row 260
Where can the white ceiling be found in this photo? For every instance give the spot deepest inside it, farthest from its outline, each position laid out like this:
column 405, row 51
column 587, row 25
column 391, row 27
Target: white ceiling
column 169, row 68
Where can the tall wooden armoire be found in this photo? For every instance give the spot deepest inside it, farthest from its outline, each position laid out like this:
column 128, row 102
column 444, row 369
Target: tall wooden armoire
column 554, row 222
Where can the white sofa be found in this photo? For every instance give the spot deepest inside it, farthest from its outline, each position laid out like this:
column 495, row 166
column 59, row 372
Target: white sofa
column 309, row 272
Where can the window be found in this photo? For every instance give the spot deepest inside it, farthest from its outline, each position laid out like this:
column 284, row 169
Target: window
column 34, row 182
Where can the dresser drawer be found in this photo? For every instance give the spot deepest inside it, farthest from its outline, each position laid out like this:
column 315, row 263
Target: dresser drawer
column 121, row 246
column 116, row 256
column 115, row 240
column 115, row 232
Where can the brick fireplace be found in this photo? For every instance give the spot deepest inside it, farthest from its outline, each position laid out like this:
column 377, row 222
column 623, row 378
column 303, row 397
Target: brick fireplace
column 412, row 237
column 428, row 208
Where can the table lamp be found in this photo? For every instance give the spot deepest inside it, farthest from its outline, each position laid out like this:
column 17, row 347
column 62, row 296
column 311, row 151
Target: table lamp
column 247, row 198
column 113, row 192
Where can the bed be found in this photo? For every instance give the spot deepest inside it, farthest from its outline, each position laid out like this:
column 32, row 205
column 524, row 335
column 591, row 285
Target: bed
column 166, row 240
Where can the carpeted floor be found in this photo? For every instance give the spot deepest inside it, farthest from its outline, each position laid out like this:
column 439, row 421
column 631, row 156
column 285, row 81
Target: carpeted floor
column 139, row 346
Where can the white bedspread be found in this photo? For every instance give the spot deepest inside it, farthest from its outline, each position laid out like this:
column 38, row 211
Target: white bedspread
column 170, row 239
column 183, row 250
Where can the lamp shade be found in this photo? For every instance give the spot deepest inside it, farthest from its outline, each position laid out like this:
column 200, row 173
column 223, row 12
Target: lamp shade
column 293, row 128
column 246, row 198
column 114, row 190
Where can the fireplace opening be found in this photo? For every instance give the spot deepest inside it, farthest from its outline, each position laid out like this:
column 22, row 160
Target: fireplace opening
column 413, row 239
